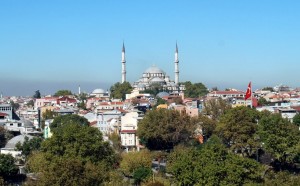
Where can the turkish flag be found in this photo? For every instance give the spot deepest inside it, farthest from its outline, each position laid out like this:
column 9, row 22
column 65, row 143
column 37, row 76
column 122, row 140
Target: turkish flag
column 249, row 91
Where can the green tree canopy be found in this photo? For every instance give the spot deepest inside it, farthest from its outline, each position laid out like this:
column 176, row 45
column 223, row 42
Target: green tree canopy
column 280, row 138
column 48, row 114
column 29, row 145
column 68, row 119
column 262, row 101
column 76, row 155
column 162, row 129
column 14, row 105
column 237, row 128
column 154, row 89
column 194, row 90
column 119, row 90
column 63, row 93
column 131, row 161
column 296, row 119
column 37, row 94
column 7, row 166
column 212, row 165
column 5, row 135
column 215, row 108
column 268, row 88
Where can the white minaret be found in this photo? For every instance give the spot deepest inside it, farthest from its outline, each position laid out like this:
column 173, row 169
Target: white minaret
column 176, row 66
column 123, row 65
column 79, row 92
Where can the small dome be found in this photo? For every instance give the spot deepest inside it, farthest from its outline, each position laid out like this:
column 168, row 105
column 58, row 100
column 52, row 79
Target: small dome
column 154, row 70
column 162, row 94
column 13, row 141
column 98, row 91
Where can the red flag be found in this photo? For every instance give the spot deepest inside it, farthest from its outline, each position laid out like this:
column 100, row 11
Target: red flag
column 249, row 91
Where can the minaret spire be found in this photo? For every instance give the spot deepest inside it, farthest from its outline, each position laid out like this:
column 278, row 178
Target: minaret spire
column 176, row 65
column 123, row 64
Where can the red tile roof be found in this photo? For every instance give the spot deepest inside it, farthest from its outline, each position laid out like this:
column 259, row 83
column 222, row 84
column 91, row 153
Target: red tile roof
column 3, row 114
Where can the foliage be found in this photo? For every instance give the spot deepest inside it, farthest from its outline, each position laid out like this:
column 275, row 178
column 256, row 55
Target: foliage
column 29, row 145
column 212, row 165
column 296, row 119
column 63, row 93
column 71, row 171
column 268, row 88
column 141, row 174
column 207, row 125
column 154, row 89
column 5, row 135
column 280, row 138
column 194, row 90
column 14, row 105
column 131, row 161
column 162, row 129
column 30, row 103
column 37, row 94
column 119, row 90
column 281, row 179
column 262, row 101
column 116, row 141
column 48, row 114
column 74, row 155
column 215, row 108
column 8, row 167
column 68, row 119
column 237, row 128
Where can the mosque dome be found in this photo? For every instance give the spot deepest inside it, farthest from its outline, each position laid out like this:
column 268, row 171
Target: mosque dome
column 154, row 70
column 13, row 141
column 157, row 80
column 162, row 94
column 98, row 91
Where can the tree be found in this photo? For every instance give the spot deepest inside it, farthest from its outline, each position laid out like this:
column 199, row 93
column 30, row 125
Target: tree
column 8, row 167
column 141, row 174
column 82, row 100
column 296, row 119
column 14, row 105
column 132, row 161
column 74, row 155
column 207, row 125
column 280, row 138
column 30, row 103
column 48, row 114
column 63, row 93
column 119, row 90
column 268, row 88
column 4, row 136
column 194, row 90
column 211, row 164
column 162, row 129
column 262, row 101
column 154, row 89
column 37, row 94
column 237, row 128
column 68, row 119
column 215, row 108
column 29, row 145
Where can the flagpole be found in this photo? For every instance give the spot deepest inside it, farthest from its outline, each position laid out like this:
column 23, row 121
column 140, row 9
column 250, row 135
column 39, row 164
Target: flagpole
column 251, row 96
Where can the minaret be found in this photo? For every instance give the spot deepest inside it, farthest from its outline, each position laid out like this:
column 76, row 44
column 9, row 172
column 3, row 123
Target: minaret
column 176, row 66
column 123, row 65
column 79, row 92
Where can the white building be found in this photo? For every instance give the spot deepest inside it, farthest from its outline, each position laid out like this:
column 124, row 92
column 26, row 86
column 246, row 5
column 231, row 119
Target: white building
column 129, row 122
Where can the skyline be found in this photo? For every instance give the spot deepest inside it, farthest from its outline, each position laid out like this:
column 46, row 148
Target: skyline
column 54, row 45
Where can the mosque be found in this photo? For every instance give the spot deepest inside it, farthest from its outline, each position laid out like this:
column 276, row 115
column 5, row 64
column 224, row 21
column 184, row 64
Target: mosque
column 154, row 75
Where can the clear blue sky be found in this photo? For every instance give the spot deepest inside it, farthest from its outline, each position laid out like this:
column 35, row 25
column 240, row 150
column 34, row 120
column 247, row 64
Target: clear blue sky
column 59, row 44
